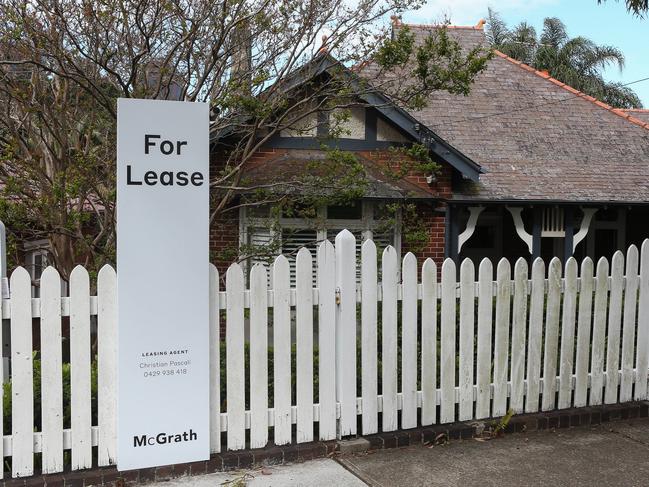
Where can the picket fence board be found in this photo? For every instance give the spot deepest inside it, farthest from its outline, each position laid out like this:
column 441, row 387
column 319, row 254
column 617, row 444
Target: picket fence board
column 467, row 333
column 369, row 317
column 599, row 331
column 282, row 351
column 519, row 322
column 566, row 361
column 485, row 333
column 409, row 343
column 501, row 342
column 81, row 417
column 551, row 342
column 304, row 335
column 346, row 331
column 389, row 338
column 258, row 356
column 106, row 370
column 642, row 356
column 215, row 361
column 326, row 275
column 235, row 373
column 613, row 330
column 429, row 343
column 628, row 327
column 51, row 372
column 22, row 392
column 3, row 452
column 537, row 305
column 447, row 359
column 583, row 333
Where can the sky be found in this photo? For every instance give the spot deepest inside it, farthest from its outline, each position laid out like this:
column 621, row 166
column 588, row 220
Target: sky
column 608, row 23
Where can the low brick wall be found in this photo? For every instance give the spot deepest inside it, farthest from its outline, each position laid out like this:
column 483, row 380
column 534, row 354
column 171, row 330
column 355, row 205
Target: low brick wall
column 275, row 455
column 565, row 418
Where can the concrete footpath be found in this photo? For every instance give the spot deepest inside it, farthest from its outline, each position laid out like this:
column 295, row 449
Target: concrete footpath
column 614, row 454
column 322, row 472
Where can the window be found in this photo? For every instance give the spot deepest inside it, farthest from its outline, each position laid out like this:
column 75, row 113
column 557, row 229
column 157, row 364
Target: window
column 36, row 262
column 295, row 233
column 293, row 240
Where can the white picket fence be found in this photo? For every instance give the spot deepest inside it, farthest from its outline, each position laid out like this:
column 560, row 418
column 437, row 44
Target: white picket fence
column 578, row 338
column 53, row 439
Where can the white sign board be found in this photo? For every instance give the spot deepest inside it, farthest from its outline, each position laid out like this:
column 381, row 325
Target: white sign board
column 162, row 282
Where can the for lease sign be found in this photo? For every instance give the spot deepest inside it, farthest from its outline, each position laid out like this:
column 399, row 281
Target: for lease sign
column 162, row 279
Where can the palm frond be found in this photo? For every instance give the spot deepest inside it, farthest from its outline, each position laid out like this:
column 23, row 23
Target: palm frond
column 524, row 33
column 554, row 32
column 578, row 62
column 603, row 56
column 637, row 7
column 496, row 29
column 617, row 95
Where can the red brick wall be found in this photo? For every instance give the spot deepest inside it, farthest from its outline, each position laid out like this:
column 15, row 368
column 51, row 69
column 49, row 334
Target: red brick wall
column 224, row 240
column 224, row 231
column 434, row 219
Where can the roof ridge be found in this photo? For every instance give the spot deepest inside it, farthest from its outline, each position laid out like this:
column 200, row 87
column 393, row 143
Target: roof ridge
column 469, row 27
column 620, row 112
column 642, row 110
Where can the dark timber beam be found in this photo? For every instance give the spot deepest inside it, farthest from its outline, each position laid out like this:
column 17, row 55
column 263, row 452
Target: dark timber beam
column 621, row 229
column 315, row 143
column 569, row 226
column 370, row 125
column 536, row 232
column 322, row 129
column 453, row 230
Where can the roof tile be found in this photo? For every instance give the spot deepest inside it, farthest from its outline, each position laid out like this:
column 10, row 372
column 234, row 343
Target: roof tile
column 537, row 138
column 638, row 113
column 544, row 74
column 284, row 175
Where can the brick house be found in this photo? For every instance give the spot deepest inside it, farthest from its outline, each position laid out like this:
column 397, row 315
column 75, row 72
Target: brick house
column 529, row 167
column 374, row 127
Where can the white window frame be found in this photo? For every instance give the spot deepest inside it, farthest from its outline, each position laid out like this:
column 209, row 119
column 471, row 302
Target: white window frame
column 32, row 250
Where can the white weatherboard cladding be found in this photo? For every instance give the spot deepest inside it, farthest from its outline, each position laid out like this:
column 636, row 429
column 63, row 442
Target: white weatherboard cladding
column 163, row 283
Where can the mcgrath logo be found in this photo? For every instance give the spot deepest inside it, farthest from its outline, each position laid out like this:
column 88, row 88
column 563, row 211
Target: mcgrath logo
column 164, row 438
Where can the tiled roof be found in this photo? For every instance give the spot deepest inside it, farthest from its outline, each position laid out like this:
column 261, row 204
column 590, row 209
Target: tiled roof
column 537, row 138
column 630, row 114
column 638, row 113
column 288, row 169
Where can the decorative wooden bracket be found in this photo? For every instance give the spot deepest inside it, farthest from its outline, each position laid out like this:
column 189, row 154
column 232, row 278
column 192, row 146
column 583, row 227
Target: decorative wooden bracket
column 470, row 226
column 585, row 225
column 527, row 238
column 520, row 227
